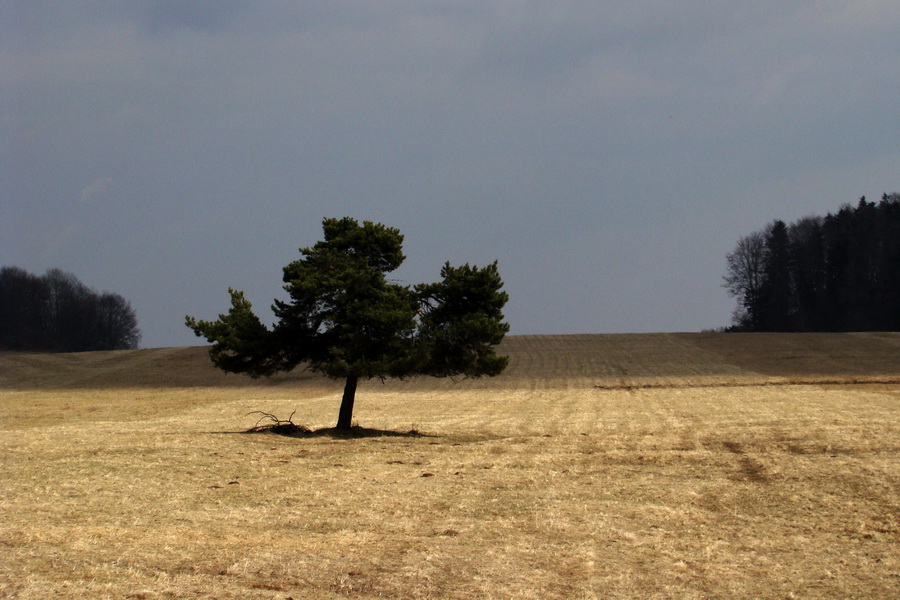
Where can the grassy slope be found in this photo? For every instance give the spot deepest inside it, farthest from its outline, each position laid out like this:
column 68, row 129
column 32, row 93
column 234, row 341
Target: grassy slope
column 686, row 475
column 602, row 357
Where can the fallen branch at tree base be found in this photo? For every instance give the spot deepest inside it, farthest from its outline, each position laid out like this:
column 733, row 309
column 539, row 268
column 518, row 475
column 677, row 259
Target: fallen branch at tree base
column 287, row 428
column 278, row 426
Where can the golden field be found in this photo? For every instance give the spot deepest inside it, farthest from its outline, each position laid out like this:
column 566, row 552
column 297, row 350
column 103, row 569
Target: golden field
column 598, row 466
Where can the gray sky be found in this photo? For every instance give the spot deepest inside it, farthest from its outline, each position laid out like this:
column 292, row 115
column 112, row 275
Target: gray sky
column 608, row 154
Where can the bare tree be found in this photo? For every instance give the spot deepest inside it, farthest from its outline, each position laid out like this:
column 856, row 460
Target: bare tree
column 746, row 274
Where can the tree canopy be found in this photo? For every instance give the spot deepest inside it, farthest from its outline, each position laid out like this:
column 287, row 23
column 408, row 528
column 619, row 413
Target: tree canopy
column 343, row 317
column 57, row 313
column 837, row 273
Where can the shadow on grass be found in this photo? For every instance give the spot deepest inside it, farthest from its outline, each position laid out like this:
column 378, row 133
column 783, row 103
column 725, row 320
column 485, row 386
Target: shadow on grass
column 287, row 428
column 300, row 431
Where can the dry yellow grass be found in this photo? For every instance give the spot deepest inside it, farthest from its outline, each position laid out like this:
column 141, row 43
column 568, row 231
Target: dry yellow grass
column 633, row 466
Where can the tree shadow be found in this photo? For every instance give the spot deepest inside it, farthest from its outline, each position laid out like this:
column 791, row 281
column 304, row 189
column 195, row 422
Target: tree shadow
column 299, row 431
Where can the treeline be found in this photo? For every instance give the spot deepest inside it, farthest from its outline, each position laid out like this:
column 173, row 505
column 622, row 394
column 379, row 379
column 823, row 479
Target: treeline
column 55, row 312
column 837, row 273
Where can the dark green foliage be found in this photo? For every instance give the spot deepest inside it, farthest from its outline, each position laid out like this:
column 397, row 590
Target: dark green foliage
column 242, row 344
column 776, row 298
column 837, row 273
column 57, row 313
column 462, row 319
column 807, row 273
column 345, row 319
column 352, row 320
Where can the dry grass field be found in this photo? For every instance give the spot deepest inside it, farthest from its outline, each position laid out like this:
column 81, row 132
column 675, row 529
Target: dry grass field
column 609, row 467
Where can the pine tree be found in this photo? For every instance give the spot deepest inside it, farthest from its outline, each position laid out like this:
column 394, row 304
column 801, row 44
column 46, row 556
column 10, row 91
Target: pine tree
column 344, row 319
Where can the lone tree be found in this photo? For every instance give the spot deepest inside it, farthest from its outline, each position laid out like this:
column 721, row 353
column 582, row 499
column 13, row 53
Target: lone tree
column 346, row 320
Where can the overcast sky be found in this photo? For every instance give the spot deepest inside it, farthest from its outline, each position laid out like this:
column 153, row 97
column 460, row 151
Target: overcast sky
column 608, row 154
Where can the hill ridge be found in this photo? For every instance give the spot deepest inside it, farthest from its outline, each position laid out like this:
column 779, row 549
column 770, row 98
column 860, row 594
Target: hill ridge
column 604, row 360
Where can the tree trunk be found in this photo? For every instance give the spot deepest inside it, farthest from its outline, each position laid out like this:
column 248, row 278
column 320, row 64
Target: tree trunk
column 345, row 416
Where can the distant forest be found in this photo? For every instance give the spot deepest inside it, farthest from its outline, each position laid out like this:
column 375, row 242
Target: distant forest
column 55, row 312
column 840, row 272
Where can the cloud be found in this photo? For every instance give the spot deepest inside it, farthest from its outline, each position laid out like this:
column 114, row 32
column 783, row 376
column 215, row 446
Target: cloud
column 95, row 190
column 567, row 139
column 204, row 16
